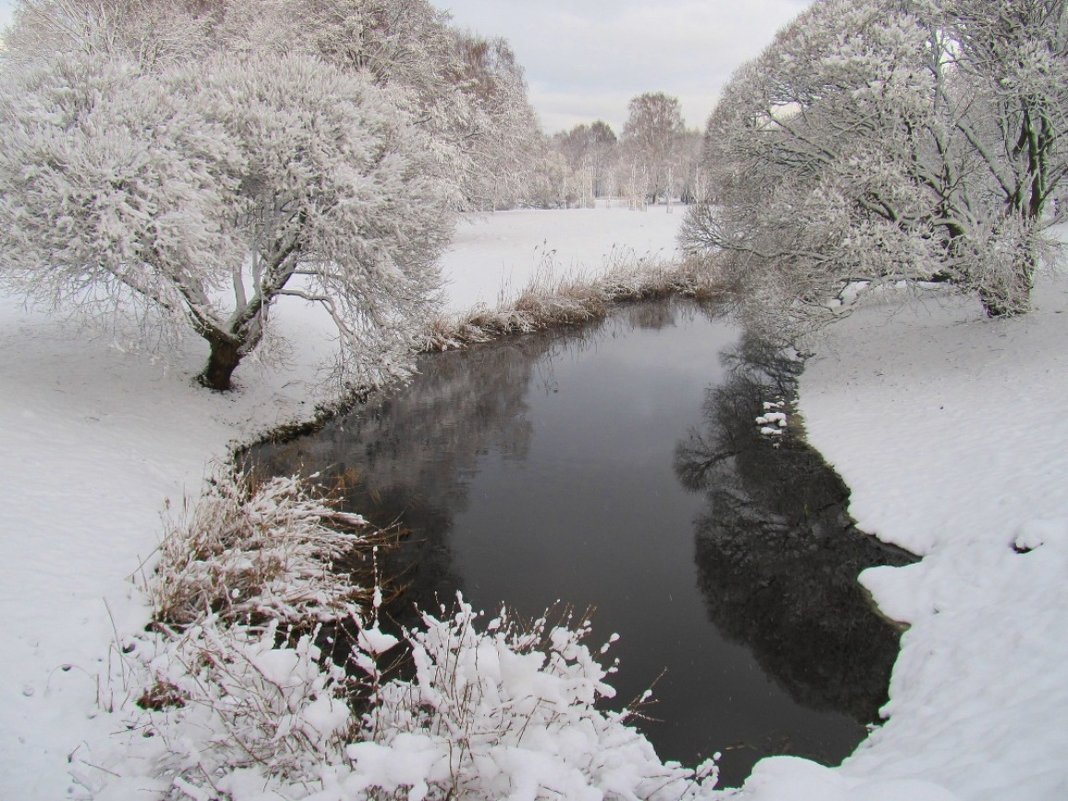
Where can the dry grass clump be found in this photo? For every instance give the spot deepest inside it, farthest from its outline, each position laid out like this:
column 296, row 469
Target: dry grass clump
column 550, row 303
column 249, row 551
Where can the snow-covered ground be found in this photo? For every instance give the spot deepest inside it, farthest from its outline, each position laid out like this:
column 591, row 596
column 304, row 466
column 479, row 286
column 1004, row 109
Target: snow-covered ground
column 494, row 258
column 947, row 426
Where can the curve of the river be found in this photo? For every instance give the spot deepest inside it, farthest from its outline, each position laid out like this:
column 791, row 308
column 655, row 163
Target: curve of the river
column 620, row 467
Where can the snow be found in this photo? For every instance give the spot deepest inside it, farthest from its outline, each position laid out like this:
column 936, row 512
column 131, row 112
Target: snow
column 946, row 426
column 493, row 257
column 95, row 439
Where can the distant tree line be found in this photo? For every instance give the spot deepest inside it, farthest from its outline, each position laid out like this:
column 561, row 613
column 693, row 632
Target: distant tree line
column 655, row 159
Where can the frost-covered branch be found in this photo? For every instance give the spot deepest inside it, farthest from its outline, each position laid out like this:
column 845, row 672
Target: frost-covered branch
column 916, row 139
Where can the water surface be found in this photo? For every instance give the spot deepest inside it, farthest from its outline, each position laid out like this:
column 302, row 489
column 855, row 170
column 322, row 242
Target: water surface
column 620, row 468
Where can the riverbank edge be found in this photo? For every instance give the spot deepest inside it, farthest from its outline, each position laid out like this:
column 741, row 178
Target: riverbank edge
column 559, row 308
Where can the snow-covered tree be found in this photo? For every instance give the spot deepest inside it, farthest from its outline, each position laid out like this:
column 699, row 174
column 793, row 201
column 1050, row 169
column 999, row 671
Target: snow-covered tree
column 201, row 159
column 339, row 200
column 466, row 92
column 888, row 138
column 591, row 153
column 202, row 194
column 650, row 142
column 497, row 133
column 1001, row 109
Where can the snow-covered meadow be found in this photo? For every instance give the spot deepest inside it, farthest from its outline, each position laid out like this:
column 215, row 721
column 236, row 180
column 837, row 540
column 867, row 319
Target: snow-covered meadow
column 946, row 426
column 492, row 259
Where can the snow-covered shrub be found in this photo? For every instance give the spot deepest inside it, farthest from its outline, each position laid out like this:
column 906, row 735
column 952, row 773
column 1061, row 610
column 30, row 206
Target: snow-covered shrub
column 257, row 551
column 506, row 712
column 243, row 711
column 244, row 705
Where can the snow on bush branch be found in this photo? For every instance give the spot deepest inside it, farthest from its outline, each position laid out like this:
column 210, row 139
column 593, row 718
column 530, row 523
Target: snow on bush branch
column 248, row 711
column 508, row 712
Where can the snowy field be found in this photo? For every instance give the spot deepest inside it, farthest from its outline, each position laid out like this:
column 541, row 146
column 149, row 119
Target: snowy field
column 493, row 258
column 947, row 426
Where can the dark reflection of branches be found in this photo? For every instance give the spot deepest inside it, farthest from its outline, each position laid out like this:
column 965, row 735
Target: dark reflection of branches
column 405, row 457
column 408, row 456
column 777, row 554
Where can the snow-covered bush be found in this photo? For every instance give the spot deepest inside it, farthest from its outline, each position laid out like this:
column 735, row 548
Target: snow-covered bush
column 499, row 710
column 236, row 710
column 258, row 551
column 509, row 711
column 242, row 705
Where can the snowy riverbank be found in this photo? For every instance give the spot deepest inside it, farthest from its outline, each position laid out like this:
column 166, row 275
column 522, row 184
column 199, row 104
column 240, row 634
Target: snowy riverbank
column 947, row 427
column 98, row 437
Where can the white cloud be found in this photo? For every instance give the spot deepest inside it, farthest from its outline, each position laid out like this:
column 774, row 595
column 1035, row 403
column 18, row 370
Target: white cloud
column 596, row 55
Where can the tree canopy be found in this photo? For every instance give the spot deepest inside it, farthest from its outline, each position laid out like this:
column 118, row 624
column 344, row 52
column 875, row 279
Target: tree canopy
column 199, row 160
column 889, row 139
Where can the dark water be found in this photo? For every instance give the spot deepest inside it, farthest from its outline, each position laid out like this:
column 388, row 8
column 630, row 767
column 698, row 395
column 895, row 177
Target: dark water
column 619, row 467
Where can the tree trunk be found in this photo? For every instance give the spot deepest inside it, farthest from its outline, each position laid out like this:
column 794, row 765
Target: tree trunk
column 222, row 361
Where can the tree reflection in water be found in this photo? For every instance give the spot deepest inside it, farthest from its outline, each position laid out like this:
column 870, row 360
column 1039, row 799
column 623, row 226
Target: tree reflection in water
column 408, row 457
column 777, row 554
column 549, row 466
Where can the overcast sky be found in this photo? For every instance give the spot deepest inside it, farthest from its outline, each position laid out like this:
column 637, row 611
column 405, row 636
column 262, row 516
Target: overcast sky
column 5, row 12
column 584, row 59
